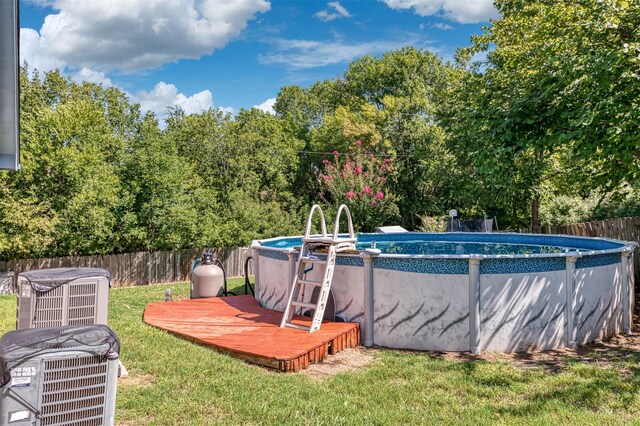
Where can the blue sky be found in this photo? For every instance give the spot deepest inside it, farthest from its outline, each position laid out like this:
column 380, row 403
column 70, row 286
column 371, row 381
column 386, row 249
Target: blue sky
column 231, row 54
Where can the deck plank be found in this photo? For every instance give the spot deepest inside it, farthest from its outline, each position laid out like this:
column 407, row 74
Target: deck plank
column 239, row 327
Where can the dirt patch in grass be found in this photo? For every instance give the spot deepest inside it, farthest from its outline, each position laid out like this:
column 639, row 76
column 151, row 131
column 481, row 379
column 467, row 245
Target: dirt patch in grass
column 136, row 422
column 140, row 380
column 342, row 362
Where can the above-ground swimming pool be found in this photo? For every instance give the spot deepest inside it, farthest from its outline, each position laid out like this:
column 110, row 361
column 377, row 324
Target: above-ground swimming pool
column 468, row 291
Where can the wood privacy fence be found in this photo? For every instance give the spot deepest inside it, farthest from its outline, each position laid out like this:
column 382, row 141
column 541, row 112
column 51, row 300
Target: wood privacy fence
column 129, row 269
column 627, row 229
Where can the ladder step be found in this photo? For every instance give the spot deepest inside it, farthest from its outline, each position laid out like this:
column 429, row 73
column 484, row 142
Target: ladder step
column 314, row 260
column 305, row 305
column 327, row 241
column 307, row 282
column 345, row 246
column 299, row 327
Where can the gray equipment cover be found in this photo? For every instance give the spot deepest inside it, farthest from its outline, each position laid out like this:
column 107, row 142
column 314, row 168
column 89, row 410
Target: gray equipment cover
column 20, row 345
column 44, row 280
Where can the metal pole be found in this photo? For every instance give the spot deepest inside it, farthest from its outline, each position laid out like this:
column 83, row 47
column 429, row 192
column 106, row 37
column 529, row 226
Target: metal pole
column 570, row 306
column 367, row 326
column 627, row 309
column 474, row 305
column 9, row 85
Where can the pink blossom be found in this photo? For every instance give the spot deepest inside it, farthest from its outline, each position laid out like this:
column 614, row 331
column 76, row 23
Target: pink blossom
column 367, row 190
column 347, row 166
column 373, row 203
column 325, row 161
column 358, row 143
column 350, row 195
column 386, row 160
column 379, row 195
column 326, row 177
column 358, row 170
column 335, row 152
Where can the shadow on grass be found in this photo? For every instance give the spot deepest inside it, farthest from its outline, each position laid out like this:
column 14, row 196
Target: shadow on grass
column 621, row 353
column 585, row 388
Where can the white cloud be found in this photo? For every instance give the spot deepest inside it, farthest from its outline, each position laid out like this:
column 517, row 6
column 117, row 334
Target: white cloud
column 30, row 43
column 164, row 96
column 334, row 11
column 302, row 54
column 267, row 106
column 228, row 110
column 92, row 76
column 462, row 11
column 132, row 35
column 442, row 26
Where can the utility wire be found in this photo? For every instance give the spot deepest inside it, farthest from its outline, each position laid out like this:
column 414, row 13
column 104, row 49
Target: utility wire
column 340, row 154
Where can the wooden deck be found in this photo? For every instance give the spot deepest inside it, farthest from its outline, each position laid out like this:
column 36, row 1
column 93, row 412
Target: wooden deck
column 239, row 327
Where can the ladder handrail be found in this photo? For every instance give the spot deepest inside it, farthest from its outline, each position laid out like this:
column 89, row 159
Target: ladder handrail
column 310, row 242
column 336, row 226
column 307, row 232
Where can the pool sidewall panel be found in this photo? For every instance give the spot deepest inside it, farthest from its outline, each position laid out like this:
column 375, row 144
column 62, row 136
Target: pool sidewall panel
column 347, row 288
column 522, row 312
column 598, row 302
column 421, row 311
column 274, row 283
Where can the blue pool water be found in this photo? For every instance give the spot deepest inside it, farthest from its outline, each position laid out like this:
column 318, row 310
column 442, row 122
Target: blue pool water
column 449, row 247
column 458, row 246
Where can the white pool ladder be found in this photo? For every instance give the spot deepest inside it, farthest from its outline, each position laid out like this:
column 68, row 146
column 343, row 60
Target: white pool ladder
column 333, row 243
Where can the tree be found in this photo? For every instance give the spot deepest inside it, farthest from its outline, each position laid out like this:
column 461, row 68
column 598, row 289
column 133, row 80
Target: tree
column 27, row 225
column 248, row 166
column 201, row 139
column 97, row 177
column 305, row 110
column 263, row 197
column 267, row 155
column 159, row 192
column 390, row 104
column 69, row 160
column 560, row 77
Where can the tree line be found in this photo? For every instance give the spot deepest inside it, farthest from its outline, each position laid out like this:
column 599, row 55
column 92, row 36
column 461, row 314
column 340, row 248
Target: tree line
column 542, row 129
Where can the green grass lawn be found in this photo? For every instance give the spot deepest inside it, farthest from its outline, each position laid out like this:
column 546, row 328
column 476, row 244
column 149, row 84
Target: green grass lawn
column 174, row 382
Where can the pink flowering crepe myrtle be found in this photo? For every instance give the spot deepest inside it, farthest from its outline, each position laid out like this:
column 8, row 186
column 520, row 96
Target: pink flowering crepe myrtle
column 359, row 179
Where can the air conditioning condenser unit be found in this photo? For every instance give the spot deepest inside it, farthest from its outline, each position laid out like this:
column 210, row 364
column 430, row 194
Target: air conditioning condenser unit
column 62, row 296
column 59, row 376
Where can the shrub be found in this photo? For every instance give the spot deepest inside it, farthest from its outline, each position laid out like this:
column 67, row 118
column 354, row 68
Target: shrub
column 432, row 223
column 359, row 180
